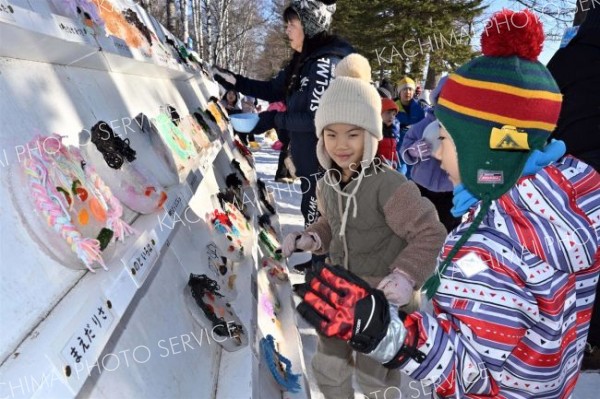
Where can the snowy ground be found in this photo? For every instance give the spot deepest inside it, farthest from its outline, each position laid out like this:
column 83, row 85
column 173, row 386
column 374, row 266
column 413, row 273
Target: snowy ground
column 290, row 219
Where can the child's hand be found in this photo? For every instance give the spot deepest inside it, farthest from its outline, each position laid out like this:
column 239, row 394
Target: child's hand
column 397, row 287
column 303, row 241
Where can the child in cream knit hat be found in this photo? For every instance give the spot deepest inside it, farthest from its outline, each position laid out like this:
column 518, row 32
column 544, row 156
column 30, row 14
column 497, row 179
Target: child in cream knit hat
column 373, row 221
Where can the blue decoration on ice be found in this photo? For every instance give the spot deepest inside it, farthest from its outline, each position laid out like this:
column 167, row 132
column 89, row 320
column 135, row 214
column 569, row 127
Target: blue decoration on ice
column 288, row 381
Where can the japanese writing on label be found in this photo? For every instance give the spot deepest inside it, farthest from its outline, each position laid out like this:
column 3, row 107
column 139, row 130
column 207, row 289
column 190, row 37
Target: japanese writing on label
column 175, row 202
column 142, row 256
column 84, row 344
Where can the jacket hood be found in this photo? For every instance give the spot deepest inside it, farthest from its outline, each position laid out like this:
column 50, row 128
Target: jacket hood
column 336, row 46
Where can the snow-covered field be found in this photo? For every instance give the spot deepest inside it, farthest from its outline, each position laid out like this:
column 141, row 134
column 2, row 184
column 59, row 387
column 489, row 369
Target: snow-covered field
column 290, row 219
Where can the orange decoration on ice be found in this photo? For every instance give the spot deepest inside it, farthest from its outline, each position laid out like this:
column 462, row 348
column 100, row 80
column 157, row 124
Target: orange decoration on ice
column 97, row 210
column 117, row 25
column 83, row 217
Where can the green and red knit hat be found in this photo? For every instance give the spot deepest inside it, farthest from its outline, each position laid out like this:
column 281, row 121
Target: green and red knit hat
column 498, row 108
column 501, row 106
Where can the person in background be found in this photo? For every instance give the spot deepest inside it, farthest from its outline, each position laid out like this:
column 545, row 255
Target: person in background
column 230, row 102
column 386, row 89
column 282, row 175
column 373, row 221
column 300, row 85
column 386, row 149
column 410, row 112
column 576, row 69
column 249, row 106
column 432, row 180
column 418, row 91
column 515, row 284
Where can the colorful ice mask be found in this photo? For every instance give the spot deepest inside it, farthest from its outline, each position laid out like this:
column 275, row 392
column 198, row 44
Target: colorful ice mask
column 115, row 161
column 73, row 199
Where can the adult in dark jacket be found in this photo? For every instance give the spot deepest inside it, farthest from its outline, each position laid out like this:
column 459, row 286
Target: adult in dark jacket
column 576, row 69
column 300, row 85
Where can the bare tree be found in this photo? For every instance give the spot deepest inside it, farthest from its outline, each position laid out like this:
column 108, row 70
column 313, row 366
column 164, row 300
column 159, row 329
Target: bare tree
column 185, row 20
column 171, row 15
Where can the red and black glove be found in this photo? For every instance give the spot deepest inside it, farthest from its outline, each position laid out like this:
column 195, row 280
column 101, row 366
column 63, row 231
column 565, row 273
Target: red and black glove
column 340, row 304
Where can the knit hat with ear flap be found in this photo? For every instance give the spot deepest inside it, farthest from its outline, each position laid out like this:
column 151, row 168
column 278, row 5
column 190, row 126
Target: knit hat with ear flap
column 353, row 100
column 314, row 15
column 498, row 109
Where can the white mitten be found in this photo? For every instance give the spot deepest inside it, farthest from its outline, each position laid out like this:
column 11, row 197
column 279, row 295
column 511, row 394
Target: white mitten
column 397, row 287
column 304, row 241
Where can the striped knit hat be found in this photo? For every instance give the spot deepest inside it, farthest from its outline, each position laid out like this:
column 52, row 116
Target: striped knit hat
column 498, row 108
column 501, row 106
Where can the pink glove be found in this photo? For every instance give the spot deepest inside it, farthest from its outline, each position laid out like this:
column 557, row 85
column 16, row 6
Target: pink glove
column 397, row 287
column 420, row 150
column 304, row 241
column 278, row 106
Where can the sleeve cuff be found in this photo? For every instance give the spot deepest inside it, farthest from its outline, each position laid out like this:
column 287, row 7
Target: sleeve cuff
column 393, row 340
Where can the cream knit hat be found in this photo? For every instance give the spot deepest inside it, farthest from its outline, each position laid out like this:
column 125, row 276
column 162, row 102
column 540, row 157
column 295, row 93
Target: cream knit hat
column 350, row 99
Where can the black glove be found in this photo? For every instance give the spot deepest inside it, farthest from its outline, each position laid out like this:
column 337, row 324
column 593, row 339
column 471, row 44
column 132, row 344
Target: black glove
column 225, row 77
column 340, row 304
column 266, row 122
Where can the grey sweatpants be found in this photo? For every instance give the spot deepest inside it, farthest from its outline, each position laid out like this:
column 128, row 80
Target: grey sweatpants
column 335, row 363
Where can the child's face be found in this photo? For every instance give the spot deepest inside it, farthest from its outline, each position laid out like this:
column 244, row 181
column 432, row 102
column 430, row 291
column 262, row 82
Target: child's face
column 446, row 154
column 406, row 94
column 231, row 97
column 388, row 116
column 345, row 145
column 295, row 34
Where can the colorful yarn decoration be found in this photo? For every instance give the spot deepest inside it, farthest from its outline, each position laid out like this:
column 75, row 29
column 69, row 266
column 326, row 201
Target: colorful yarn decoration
column 177, row 140
column 229, row 238
column 270, row 243
column 132, row 17
column 218, row 116
column 208, row 123
column 192, row 128
column 67, row 166
column 238, row 219
column 117, row 25
column 284, row 377
column 274, row 269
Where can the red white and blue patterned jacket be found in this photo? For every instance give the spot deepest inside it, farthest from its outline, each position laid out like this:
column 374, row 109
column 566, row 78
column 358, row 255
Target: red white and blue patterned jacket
column 512, row 312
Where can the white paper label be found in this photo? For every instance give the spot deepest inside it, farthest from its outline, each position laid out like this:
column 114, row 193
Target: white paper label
column 175, row 203
column 140, row 259
column 88, row 338
column 73, row 31
column 471, row 264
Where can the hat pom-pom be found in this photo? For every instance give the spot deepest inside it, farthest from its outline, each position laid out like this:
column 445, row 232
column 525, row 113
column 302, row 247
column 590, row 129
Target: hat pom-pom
column 354, row 66
column 510, row 33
